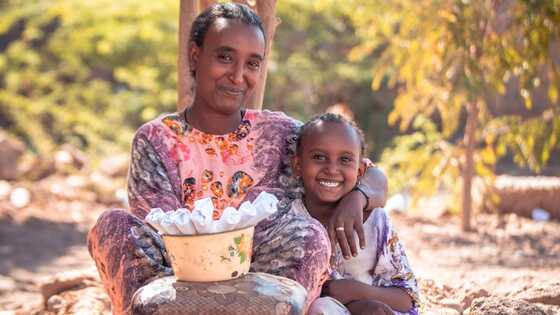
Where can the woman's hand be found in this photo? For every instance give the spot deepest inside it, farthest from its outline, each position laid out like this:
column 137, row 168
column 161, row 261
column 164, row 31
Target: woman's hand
column 369, row 307
column 151, row 249
column 347, row 218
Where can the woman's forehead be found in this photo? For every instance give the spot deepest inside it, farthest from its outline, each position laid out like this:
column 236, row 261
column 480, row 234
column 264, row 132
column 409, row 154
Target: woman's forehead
column 235, row 33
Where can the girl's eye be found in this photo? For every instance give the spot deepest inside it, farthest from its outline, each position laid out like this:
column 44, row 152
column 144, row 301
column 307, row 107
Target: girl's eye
column 254, row 65
column 226, row 58
column 346, row 159
column 318, row 157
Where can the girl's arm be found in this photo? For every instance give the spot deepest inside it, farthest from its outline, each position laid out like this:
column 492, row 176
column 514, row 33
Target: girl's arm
column 346, row 291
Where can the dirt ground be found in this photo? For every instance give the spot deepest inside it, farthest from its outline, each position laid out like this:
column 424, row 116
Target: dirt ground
column 504, row 255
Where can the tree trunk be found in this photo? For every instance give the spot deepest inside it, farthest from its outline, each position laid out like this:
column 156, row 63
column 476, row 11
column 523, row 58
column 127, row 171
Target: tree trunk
column 468, row 167
column 267, row 11
column 188, row 11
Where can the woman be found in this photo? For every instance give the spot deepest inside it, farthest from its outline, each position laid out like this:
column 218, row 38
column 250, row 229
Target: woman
column 217, row 149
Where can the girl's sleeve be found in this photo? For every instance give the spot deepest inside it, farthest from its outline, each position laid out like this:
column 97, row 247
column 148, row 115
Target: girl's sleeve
column 149, row 184
column 392, row 268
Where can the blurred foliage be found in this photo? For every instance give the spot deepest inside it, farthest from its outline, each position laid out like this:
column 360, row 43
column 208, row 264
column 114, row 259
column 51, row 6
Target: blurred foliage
column 90, row 72
column 85, row 72
column 441, row 55
column 310, row 69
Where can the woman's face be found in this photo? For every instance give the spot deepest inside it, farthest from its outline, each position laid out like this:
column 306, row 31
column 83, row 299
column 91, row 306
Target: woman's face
column 227, row 66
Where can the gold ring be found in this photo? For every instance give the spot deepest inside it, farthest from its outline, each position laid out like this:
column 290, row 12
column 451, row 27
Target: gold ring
column 340, row 228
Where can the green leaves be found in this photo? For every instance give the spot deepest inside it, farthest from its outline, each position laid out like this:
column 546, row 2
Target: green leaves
column 86, row 73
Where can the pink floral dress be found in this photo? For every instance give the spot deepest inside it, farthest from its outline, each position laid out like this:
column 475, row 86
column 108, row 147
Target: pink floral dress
column 173, row 164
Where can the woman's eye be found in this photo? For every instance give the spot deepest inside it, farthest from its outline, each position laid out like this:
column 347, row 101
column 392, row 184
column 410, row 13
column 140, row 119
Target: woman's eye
column 225, row 58
column 254, row 65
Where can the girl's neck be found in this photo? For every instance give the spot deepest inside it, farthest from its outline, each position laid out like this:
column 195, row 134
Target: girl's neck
column 212, row 122
column 319, row 210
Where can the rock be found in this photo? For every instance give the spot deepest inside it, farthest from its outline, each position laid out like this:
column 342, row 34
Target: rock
column 5, row 189
column 6, row 284
column 37, row 167
column 503, row 306
column 115, row 166
column 452, row 304
column 545, row 294
column 91, row 300
column 469, row 293
column 20, row 197
column 62, row 282
column 69, row 159
column 11, row 151
column 106, row 188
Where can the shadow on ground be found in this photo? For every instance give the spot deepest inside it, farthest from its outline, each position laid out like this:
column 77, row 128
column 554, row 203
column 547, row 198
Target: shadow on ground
column 35, row 242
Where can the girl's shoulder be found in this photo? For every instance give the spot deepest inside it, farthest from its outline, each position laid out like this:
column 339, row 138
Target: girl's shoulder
column 378, row 220
column 172, row 123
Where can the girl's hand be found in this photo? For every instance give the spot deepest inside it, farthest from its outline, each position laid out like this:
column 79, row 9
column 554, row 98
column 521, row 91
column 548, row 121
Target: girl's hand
column 347, row 218
column 369, row 307
column 344, row 290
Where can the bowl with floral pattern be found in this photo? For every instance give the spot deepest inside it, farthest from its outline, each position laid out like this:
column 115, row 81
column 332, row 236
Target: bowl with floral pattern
column 210, row 257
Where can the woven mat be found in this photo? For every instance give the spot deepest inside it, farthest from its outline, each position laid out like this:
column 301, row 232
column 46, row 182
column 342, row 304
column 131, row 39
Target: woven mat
column 252, row 294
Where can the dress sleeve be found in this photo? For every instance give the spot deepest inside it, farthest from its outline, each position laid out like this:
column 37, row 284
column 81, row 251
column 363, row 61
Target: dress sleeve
column 149, row 185
column 392, row 268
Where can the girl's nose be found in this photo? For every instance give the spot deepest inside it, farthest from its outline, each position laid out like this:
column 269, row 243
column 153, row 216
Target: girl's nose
column 332, row 168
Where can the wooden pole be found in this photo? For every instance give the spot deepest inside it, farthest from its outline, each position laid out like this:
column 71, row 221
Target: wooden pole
column 267, row 11
column 187, row 13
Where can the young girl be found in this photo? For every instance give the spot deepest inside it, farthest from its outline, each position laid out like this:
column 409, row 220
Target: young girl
column 378, row 280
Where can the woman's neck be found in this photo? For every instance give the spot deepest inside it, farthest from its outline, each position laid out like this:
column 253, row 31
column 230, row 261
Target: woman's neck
column 212, row 122
column 321, row 211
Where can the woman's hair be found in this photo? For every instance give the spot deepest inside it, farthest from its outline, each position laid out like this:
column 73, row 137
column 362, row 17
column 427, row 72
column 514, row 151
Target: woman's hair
column 330, row 117
column 230, row 11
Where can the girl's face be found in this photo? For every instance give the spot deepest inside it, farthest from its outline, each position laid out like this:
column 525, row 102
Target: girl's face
column 328, row 161
column 227, row 66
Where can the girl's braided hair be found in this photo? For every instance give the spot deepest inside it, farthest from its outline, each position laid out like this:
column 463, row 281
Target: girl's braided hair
column 330, row 117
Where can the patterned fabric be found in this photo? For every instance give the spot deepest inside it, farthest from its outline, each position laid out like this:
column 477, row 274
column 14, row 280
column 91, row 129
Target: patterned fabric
column 173, row 164
column 383, row 263
column 252, row 294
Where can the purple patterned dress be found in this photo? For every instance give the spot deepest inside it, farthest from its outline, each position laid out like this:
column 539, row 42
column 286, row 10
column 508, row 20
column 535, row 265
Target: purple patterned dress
column 174, row 164
column 383, row 263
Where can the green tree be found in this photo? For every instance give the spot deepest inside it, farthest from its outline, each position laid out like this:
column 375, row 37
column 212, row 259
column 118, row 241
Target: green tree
column 85, row 72
column 450, row 60
column 310, row 70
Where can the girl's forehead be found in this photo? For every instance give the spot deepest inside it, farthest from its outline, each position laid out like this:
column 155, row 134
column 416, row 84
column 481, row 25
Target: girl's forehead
column 332, row 133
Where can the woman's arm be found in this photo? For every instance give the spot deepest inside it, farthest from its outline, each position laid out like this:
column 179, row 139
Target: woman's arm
column 349, row 213
column 346, row 291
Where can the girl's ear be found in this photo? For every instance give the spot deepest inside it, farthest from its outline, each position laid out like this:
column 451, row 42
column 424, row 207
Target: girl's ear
column 193, row 53
column 362, row 169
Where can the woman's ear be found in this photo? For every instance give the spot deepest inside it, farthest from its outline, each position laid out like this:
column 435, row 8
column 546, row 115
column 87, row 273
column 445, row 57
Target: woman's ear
column 194, row 53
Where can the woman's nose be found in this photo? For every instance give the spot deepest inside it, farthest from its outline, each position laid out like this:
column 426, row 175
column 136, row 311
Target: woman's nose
column 236, row 74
